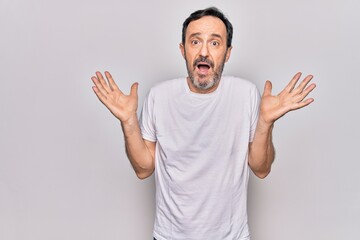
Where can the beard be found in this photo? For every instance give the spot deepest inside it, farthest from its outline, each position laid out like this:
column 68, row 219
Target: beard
column 204, row 81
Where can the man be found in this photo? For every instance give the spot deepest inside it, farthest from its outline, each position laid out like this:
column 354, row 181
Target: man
column 201, row 134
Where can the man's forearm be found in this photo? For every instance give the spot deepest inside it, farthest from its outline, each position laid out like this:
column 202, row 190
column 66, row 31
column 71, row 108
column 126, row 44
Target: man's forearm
column 140, row 155
column 261, row 150
column 273, row 107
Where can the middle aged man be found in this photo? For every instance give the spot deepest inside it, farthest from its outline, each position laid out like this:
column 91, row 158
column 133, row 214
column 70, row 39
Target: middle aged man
column 201, row 134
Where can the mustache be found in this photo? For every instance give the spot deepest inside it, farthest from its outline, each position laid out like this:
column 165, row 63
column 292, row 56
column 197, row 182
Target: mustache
column 203, row 59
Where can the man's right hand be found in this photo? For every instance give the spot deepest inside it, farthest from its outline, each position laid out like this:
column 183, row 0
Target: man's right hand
column 140, row 152
column 123, row 107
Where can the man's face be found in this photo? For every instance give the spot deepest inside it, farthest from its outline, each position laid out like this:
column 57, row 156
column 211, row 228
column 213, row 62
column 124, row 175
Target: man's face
column 205, row 53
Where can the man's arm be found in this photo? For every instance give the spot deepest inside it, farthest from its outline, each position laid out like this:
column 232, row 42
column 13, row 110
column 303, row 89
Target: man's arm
column 124, row 107
column 140, row 152
column 261, row 149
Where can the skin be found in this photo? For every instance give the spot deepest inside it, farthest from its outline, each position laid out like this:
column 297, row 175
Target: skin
column 140, row 152
column 273, row 107
column 205, row 38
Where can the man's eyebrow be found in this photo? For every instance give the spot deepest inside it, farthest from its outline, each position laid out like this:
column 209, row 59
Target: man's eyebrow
column 198, row 33
column 194, row 35
column 216, row 35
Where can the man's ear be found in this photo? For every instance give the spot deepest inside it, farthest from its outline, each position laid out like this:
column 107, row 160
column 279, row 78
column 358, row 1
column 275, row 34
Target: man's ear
column 182, row 49
column 228, row 53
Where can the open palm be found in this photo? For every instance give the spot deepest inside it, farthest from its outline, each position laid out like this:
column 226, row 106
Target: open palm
column 290, row 98
column 120, row 105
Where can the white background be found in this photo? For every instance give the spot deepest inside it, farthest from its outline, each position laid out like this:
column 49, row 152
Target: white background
column 63, row 169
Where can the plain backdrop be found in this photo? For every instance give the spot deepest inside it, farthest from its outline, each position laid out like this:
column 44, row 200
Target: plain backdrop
column 63, row 170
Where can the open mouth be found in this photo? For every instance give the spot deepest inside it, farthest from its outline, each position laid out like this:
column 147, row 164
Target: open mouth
column 203, row 67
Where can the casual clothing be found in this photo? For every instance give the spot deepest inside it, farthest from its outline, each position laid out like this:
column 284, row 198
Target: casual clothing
column 201, row 167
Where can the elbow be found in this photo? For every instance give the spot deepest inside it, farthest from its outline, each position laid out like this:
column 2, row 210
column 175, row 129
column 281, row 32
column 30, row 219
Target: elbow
column 144, row 170
column 261, row 169
column 143, row 174
column 262, row 174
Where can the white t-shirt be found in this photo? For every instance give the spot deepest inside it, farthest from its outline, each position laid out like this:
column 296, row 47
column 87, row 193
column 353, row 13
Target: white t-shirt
column 201, row 167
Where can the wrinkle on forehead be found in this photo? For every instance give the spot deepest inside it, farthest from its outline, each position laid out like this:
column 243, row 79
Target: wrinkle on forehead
column 215, row 35
column 207, row 25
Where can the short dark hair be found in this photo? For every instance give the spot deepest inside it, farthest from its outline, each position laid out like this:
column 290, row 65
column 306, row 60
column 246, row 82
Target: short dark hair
column 212, row 11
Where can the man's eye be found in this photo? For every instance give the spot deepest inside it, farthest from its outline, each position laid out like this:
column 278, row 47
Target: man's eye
column 214, row 43
column 195, row 42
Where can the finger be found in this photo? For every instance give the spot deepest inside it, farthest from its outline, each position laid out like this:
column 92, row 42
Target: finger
column 302, row 104
column 267, row 88
column 100, row 96
column 134, row 89
column 307, row 91
column 303, row 84
column 293, row 82
column 103, row 82
column 111, row 81
column 99, row 86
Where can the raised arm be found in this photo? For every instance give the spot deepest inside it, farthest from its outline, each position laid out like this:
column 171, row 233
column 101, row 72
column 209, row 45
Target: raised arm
column 124, row 107
column 261, row 150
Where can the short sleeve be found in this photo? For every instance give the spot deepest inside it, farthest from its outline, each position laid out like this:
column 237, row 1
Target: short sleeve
column 254, row 108
column 147, row 120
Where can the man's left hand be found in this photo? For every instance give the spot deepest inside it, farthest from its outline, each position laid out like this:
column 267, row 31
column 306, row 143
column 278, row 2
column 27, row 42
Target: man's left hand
column 291, row 98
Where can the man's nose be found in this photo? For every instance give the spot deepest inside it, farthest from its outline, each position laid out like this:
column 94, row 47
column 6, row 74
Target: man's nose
column 204, row 51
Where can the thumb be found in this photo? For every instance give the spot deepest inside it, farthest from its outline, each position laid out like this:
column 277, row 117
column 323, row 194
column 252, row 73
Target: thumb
column 134, row 89
column 267, row 88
